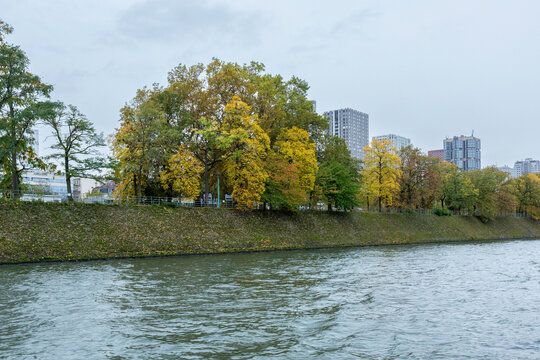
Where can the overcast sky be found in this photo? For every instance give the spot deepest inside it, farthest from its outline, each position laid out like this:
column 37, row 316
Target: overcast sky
column 421, row 69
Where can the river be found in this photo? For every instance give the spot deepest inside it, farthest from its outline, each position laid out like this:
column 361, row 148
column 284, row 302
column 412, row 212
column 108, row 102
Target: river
column 444, row 301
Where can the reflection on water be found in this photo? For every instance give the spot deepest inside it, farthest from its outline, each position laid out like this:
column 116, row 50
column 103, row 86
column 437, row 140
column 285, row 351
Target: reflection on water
column 435, row 301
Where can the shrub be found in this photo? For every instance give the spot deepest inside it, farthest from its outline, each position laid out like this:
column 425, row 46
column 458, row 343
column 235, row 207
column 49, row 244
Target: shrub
column 442, row 212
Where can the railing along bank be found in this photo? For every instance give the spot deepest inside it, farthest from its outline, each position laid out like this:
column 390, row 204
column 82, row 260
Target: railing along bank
column 31, row 196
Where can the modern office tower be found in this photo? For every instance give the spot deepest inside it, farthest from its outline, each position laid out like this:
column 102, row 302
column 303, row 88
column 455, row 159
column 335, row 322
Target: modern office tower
column 463, row 151
column 527, row 166
column 352, row 126
column 437, row 153
column 399, row 141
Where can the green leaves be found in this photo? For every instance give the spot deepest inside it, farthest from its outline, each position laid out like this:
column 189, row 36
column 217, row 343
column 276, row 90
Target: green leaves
column 21, row 106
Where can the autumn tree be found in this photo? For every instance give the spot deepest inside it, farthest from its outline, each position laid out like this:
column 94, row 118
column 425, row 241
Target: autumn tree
column 282, row 188
column 22, row 104
column 488, row 183
column 527, row 191
column 295, row 146
column 420, row 180
column 381, row 171
column 77, row 144
column 247, row 146
column 193, row 104
column 183, row 173
column 136, row 144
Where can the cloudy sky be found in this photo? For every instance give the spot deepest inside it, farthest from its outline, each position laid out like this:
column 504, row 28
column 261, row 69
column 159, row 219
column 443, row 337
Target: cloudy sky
column 423, row 69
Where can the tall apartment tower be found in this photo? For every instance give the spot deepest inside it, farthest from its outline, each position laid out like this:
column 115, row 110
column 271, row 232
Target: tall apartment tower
column 399, row 142
column 352, row 126
column 463, row 151
column 527, row 166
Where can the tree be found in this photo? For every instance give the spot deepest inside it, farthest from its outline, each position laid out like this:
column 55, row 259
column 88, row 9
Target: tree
column 295, row 146
column 337, row 180
column 76, row 140
column 5, row 29
column 183, row 173
column 488, row 183
column 193, row 105
column 381, row 171
column 412, row 179
column 282, row 188
column 21, row 106
column 527, row 190
column 458, row 191
column 137, row 144
column 247, row 146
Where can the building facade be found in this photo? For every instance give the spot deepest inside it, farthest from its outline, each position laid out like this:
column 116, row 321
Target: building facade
column 507, row 169
column 527, row 166
column 352, row 126
column 45, row 182
column 463, row 151
column 399, row 141
column 437, row 153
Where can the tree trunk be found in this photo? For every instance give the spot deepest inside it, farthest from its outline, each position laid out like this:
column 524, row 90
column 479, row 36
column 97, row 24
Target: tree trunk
column 68, row 179
column 14, row 175
column 380, row 203
column 206, row 176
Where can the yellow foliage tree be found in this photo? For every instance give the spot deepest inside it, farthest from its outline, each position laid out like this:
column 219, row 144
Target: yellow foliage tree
column 295, row 146
column 248, row 146
column 527, row 190
column 134, row 144
column 381, row 171
column 183, row 174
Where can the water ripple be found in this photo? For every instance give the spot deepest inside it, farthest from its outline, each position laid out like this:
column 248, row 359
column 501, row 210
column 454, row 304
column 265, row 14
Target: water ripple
column 444, row 301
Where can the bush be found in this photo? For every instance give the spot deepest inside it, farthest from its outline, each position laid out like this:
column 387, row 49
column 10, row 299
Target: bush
column 442, row 212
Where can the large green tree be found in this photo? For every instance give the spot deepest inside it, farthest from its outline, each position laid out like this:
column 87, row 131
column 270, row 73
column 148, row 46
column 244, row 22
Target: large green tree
column 527, row 192
column 337, row 182
column 458, row 191
column 193, row 108
column 22, row 103
column 488, row 182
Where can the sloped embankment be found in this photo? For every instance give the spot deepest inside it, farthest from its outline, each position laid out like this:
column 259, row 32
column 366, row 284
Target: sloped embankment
column 32, row 232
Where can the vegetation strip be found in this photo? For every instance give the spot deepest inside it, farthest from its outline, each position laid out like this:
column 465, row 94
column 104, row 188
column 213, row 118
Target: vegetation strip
column 33, row 232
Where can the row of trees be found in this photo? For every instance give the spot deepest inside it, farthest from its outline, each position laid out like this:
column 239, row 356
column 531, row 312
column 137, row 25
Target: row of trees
column 24, row 103
column 262, row 135
column 412, row 180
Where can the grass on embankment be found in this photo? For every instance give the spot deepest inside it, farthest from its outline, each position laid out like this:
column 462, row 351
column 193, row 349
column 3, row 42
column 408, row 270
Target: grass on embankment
column 32, row 232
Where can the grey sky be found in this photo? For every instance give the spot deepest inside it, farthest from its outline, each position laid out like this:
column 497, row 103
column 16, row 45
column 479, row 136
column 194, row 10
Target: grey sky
column 421, row 69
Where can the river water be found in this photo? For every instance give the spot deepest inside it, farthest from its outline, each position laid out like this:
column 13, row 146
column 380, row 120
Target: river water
column 445, row 301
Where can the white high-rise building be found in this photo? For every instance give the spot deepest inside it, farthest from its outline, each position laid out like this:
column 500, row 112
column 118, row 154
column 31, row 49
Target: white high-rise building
column 527, row 166
column 399, row 141
column 352, row 126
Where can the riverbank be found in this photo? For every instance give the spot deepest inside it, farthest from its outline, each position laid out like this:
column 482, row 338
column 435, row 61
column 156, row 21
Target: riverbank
column 33, row 232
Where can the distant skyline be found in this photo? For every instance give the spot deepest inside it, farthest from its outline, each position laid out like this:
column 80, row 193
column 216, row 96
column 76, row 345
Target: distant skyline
column 425, row 70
